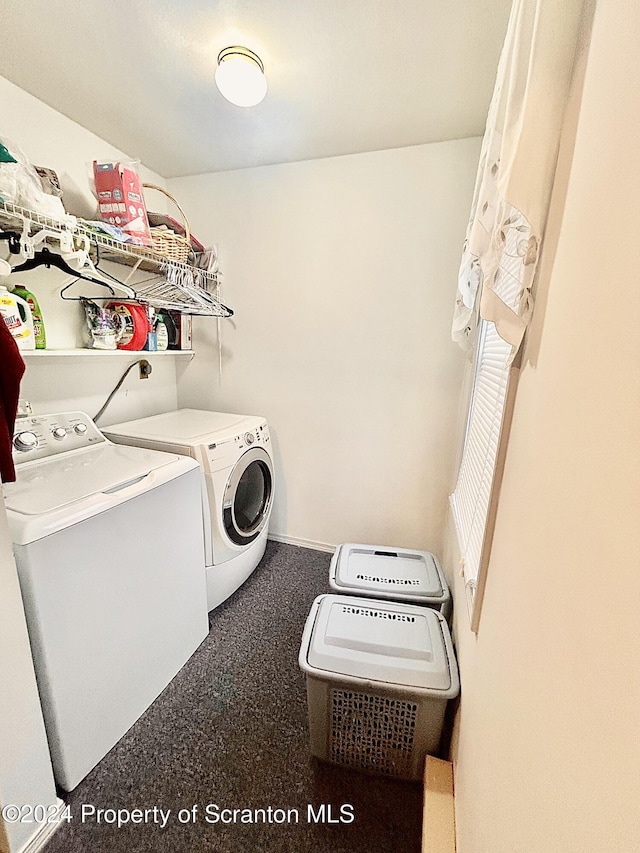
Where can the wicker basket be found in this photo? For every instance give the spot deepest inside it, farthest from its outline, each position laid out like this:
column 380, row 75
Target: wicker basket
column 167, row 243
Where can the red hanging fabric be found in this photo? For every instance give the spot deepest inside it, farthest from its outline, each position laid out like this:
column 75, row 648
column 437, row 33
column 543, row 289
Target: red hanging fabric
column 12, row 368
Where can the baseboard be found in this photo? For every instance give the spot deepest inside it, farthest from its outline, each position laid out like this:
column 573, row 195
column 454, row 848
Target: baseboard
column 42, row 836
column 303, row 543
column 438, row 818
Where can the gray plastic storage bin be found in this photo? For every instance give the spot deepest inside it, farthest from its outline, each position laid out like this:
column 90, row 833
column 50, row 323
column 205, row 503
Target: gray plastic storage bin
column 379, row 675
column 398, row 574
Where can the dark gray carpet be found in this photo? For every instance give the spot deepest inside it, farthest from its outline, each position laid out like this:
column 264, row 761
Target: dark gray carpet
column 231, row 729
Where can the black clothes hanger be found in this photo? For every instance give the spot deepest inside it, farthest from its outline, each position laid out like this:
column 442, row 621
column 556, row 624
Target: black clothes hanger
column 84, row 298
column 13, row 238
column 48, row 259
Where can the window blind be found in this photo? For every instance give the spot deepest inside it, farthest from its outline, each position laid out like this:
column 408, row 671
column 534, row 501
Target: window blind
column 472, row 494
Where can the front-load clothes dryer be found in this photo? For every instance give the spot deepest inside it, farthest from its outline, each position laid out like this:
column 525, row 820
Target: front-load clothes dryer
column 235, row 454
column 110, row 556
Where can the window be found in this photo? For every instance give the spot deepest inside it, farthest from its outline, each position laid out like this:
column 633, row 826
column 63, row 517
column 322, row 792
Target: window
column 474, row 499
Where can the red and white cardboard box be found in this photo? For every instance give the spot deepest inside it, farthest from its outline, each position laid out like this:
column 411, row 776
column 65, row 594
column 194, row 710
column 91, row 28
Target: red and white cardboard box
column 120, row 199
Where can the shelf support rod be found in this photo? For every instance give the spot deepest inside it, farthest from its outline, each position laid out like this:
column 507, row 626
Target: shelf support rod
column 134, row 269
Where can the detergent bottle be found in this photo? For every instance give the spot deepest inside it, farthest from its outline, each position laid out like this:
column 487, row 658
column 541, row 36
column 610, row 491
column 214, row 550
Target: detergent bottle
column 16, row 314
column 38, row 323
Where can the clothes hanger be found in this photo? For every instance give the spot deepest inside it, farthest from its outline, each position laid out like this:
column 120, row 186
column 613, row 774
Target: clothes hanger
column 86, row 298
column 13, row 238
column 46, row 258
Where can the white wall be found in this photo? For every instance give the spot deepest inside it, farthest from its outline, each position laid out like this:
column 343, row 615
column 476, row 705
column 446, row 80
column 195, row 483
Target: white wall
column 548, row 750
column 341, row 272
column 50, row 139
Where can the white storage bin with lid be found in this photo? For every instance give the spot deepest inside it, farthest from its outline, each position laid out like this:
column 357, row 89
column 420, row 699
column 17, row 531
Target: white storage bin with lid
column 398, row 574
column 379, row 675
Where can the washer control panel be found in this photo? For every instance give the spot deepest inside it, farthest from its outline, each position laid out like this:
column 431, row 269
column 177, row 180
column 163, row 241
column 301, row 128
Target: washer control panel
column 39, row 436
column 217, row 451
column 259, row 435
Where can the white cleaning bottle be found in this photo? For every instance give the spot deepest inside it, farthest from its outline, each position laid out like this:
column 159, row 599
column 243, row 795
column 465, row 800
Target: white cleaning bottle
column 16, row 314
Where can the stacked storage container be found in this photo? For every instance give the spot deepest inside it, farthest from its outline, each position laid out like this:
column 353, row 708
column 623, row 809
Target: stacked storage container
column 394, row 574
column 379, row 664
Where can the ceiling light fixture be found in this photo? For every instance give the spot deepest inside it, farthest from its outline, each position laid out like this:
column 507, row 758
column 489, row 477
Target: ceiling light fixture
column 240, row 76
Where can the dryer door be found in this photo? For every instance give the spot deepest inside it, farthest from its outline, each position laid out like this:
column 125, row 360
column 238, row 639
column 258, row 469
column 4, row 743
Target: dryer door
column 248, row 497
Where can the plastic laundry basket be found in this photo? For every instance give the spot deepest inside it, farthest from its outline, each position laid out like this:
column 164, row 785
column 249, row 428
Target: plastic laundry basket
column 379, row 675
column 398, row 574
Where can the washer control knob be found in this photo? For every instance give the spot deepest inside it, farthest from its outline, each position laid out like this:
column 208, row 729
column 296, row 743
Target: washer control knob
column 59, row 433
column 249, row 437
column 80, row 429
column 25, row 441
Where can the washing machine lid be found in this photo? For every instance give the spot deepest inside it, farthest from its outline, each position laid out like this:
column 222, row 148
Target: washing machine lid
column 187, row 426
column 59, row 491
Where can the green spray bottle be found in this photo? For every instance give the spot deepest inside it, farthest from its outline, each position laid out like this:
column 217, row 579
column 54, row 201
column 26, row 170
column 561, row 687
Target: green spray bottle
column 39, row 333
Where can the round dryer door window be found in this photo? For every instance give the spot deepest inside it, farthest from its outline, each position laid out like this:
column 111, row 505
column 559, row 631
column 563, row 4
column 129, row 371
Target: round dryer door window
column 247, row 498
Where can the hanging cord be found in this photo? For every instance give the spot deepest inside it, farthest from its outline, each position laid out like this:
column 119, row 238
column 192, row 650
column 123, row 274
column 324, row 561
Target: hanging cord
column 115, row 390
column 219, row 331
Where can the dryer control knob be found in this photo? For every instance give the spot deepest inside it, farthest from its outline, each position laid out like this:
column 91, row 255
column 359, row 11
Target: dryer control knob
column 80, row 429
column 249, row 437
column 59, row 433
column 25, row 441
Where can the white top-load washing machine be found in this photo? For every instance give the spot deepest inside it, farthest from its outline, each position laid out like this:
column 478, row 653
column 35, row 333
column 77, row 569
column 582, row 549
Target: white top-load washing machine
column 110, row 555
column 235, row 454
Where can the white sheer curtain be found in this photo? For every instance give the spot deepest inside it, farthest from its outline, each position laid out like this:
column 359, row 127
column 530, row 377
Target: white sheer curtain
column 516, row 171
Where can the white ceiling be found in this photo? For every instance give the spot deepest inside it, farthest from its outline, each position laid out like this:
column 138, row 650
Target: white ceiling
column 344, row 76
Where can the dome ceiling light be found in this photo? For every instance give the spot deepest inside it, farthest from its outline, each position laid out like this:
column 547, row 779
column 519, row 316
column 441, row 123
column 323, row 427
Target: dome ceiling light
column 240, row 76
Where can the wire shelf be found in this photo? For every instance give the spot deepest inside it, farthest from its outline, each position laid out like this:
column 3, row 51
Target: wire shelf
column 177, row 285
column 183, row 290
